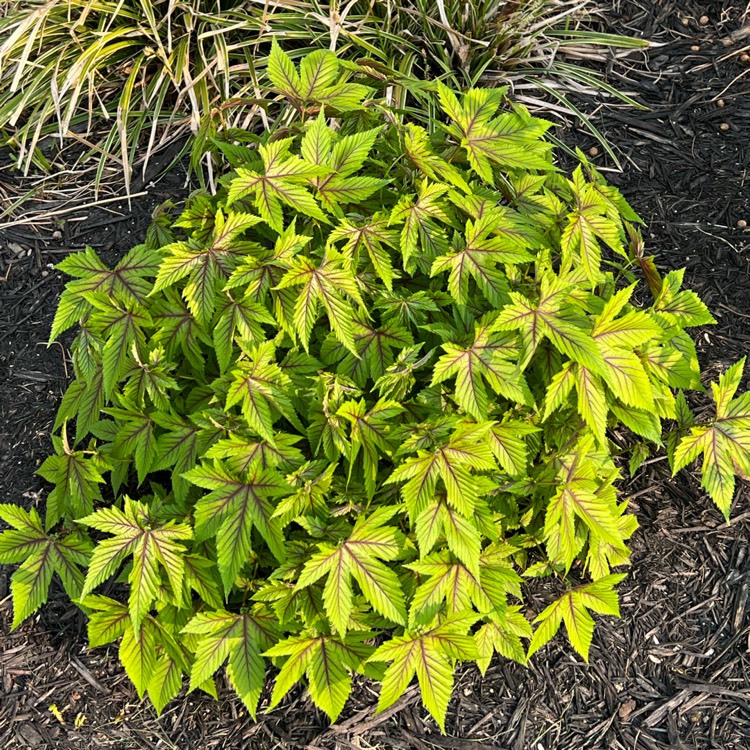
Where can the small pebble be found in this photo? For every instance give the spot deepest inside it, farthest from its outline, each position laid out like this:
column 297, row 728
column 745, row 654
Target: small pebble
column 593, row 151
column 57, row 234
column 703, row 20
column 741, row 224
column 745, row 58
column 695, row 48
column 720, row 103
column 724, row 126
column 685, row 21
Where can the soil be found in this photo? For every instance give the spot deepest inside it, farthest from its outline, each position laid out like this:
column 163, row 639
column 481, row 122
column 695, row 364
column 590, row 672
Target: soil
column 673, row 672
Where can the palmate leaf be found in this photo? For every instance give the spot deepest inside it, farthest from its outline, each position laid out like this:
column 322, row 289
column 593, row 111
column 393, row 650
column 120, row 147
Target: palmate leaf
column 478, row 260
column 39, row 555
column 680, row 307
column 510, row 140
column 135, row 438
column 206, row 265
column 508, row 446
column 430, row 654
column 259, row 386
column 151, row 548
column 589, row 222
column 490, row 359
column 579, row 498
column 343, row 155
column 459, row 589
column 127, row 280
column 370, row 433
column 360, row 557
column 326, row 661
column 572, row 608
column 120, row 323
column 233, row 508
column 177, row 448
column 238, row 317
column 242, row 453
column 239, row 640
column 283, row 181
column 502, row 635
column 420, row 231
column 76, row 477
column 554, row 318
column 317, row 82
column 370, row 240
column 724, row 442
column 374, row 347
column 468, row 448
column 327, row 285
column 421, row 152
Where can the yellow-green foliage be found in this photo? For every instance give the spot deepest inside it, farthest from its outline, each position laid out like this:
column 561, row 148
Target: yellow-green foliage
column 367, row 390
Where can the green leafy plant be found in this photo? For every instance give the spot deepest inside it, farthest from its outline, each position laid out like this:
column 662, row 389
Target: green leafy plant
column 369, row 388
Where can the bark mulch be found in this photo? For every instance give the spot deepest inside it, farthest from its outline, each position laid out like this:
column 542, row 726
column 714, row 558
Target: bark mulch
column 672, row 673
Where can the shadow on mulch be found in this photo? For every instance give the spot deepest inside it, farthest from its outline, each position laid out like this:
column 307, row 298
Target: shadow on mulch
column 672, row 673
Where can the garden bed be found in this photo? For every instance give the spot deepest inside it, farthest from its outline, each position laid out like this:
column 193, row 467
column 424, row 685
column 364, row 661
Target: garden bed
column 673, row 672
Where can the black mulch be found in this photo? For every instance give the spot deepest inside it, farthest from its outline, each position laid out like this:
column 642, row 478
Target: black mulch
column 672, row 673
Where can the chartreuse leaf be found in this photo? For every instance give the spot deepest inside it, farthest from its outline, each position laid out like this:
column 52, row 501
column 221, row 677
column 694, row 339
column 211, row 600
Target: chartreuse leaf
column 152, row 549
column 238, row 640
column 508, row 140
column 235, row 506
column 478, row 259
column 360, row 557
column 724, row 442
column 489, row 359
column 205, row 265
column 430, row 653
column 580, row 503
column 317, row 82
column 553, row 317
column 283, row 182
column 128, row 279
column 451, row 463
column 326, row 661
column 572, row 608
column 369, row 432
column 329, row 285
column 589, row 222
column 354, row 384
column 39, row 556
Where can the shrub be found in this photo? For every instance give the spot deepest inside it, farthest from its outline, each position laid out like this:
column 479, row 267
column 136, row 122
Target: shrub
column 370, row 389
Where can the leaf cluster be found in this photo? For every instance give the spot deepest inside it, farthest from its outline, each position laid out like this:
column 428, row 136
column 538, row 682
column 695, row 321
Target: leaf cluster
column 331, row 416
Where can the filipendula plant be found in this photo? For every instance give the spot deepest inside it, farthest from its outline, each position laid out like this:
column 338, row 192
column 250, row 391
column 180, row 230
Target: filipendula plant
column 332, row 416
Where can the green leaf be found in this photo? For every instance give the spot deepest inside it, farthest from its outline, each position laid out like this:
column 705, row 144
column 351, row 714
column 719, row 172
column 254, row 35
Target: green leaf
column 233, row 508
column 326, row 661
column 551, row 317
column 326, row 285
column 138, row 654
column 724, row 442
column 509, row 140
column 429, row 654
column 572, row 608
column 237, row 640
column 151, row 548
column 360, row 557
column 39, row 556
column 283, row 182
